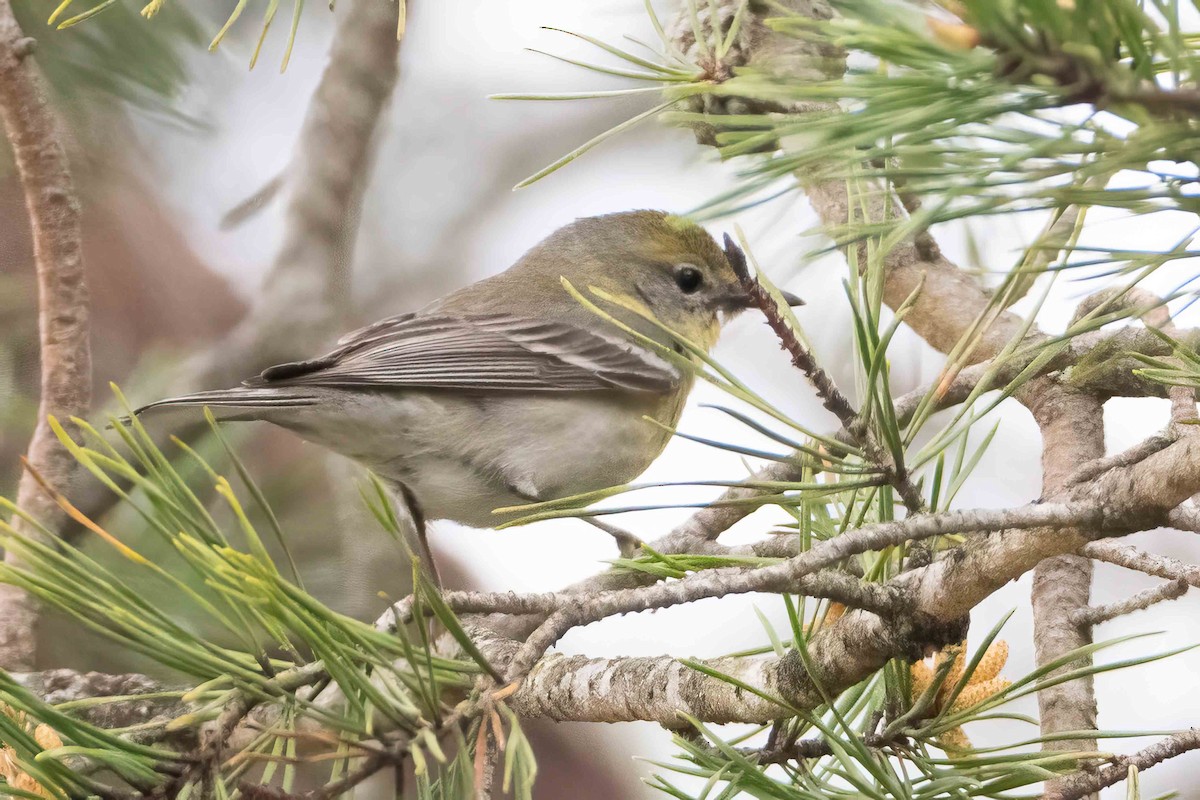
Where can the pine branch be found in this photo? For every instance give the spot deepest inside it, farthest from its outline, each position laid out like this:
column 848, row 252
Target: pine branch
column 1129, row 557
column 831, row 397
column 789, row 575
column 1072, row 428
column 1094, row 615
column 1086, row 783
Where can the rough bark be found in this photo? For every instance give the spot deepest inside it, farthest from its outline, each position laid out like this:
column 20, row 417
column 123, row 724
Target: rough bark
column 66, row 685
column 1094, row 615
column 1072, row 426
column 36, row 136
column 1129, row 557
column 1088, row 783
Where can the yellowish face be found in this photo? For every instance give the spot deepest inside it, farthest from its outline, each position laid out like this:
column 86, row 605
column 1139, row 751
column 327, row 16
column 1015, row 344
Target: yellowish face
column 668, row 267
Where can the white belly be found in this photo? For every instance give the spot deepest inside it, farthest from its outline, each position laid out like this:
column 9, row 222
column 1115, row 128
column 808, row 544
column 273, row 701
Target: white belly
column 462, row 457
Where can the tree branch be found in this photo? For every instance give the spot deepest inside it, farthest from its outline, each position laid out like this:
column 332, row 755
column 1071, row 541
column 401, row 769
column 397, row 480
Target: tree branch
column 1129, row 557
column 306, row 295
column 36, row 136
column 1094, row 615
column 834, row 585
column 791, row 575
column 1086, row 783
column 1072, row 426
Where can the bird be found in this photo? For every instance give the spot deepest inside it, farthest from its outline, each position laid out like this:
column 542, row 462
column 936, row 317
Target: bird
column 510, row 391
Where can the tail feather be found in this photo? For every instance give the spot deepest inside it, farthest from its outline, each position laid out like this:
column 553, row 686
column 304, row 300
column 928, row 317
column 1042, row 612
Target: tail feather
column 235, row 404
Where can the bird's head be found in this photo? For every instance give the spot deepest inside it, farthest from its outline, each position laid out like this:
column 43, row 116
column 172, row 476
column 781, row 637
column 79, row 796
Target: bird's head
column 663, row 264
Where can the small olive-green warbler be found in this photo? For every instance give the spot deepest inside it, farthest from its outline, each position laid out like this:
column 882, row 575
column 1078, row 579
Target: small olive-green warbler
column 509, row 390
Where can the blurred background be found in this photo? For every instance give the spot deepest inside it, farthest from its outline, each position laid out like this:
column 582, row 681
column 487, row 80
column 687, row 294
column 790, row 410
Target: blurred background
column 168, row 138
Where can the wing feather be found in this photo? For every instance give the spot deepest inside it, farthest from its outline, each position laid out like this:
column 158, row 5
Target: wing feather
column 492, row 351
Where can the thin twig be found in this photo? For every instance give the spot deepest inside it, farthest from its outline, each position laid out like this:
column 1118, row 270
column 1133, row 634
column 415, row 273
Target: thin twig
column 1124, row 555
column 831, row 396
column 1085, row 783
column 354, row 777
column 1090, row 469
column 627, row 543
column 812, row 748
column 1094, row 615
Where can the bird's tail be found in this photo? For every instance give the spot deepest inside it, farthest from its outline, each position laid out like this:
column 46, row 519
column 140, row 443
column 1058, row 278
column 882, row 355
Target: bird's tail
column 236, row 404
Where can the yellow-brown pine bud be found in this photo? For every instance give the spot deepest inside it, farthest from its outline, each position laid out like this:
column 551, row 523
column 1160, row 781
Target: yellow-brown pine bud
column 8, row 764
column 922, row 677
column 954, row 654
column 975, row 693
column 992, row 662
column 46, row 737
column 954, row 741
column 27, row 783
column 954, row 35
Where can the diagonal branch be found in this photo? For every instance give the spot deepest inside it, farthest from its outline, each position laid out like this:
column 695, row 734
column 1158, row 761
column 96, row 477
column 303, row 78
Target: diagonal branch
column 1094, row 615
column 831, row 397
column 1129, row 557
column 306, row 295
column 1085, row 783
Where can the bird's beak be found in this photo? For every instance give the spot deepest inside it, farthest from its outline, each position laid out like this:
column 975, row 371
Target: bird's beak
column 791, row 299
column 742, row 301
column 737, row 260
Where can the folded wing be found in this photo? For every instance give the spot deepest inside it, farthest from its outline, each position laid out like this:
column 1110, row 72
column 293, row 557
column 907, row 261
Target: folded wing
column 481, row 352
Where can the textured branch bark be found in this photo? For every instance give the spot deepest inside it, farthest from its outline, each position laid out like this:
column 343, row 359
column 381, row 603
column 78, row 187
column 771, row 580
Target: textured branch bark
column 68, row 686
column 1088, row 783
column 1072, row 427
column 1094, row 615
column 1129, row 557
column 796, row 574
column 835, row 585
column 36, row 136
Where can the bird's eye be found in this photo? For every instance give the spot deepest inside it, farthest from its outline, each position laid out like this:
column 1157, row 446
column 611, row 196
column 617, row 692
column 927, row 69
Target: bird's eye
column 688, row 278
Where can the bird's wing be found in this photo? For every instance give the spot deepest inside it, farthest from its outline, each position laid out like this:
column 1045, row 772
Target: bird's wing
column 480, row 352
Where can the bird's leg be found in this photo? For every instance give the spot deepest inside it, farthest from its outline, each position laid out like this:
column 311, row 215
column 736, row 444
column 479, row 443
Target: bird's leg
column 421, row 529
column 627, row 543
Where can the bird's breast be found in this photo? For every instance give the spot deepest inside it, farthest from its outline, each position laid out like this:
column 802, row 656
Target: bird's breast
column 464, row 455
